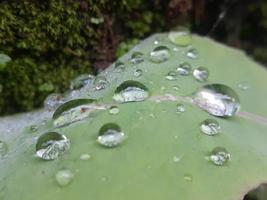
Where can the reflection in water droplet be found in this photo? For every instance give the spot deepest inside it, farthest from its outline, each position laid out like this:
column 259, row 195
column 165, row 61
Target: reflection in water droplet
column 110, row 135
column 184, row 69
column 192, row 53
column 218, row 100
column 137, row 57
column 52, row 101
column 219, row 156
column 171, row 76
column 64, row 177
column 188, row 177
column 85, row 156
column 119, row 67
column 100, row 83
column 138, row 73
column 156, row 42
column 160, row 54
column 181, row 37
column 81, row 81
column 180, row 108
column 3, row 149
column 114, row 110
column 33, row 128
column 201, row 74
column 130, row 91
column 243, row 86
column 51, row 145
column 210, row 127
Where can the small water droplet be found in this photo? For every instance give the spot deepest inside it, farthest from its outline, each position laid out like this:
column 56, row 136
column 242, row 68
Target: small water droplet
column 85, row 156
column 119, row 67
column 137, row 57
column 171, row 76
column 175, row 49
column 110, row 135
column 210, row 127
column 184, row 69
column 201, row 74
column 180, row 108
column 131, row 91
column 176, row 159
column 176, row 87
column 138, row 73
column 100, row 83
column 192, row 53
column 217, row 99
column 3, row 149
column 64, row 177
column 52, row 101
column 219, row 156
column 160, row 54
column 114, row 110
column 152, row 116
column 188, row 177
column 51, row 145
column 243, row 86
column 81, row 81
column 181, row 37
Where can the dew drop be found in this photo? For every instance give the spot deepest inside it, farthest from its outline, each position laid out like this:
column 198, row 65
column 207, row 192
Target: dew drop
column 219, row 156
column 180, row 108
column 64, row 177
column 171, row 76
column 85, row 156
column 131, row 91
column 184, row 69
column 3, row 149
column 119, row 67
column 210, row 127
column 52, row 101
column 100, row 83
column 81, row 81
column 110, row 135
column 51, row 145
column 188, row 177
column 160, row 54
column 137, row 57
column 138, row 73
column 181, row 38
column 201, row 74
column 113, row 110
column 176, row 87
column 176, row 159
column 192, row 53
column 217, row 99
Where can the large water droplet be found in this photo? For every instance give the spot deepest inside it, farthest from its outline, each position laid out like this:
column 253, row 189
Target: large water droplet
column 219, row 156
column 119, row 67
column 181, row 37
column 52, row 101
column 130, row 91
column 73, row 111
column 184, row 69
column 3, row 149
column 81, row 81
column 138, row 73
column 201, row 74
column 100, row 83
column 160, row 54
column 110, row 135
column 114, row 110
column 51, row 145
column 210, row 127
column 171, row 76
column 217, row 99
column 64, row 177
column 137, row 57
column 192, row 53
column 180, row 108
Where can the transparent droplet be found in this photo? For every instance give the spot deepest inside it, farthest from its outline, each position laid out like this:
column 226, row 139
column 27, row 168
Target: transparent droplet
column 188, row 177
column 176, row 159
column 219, row 156
column 184, row 69
column 52, row 101
column 171, row 76
column 176, row 87
column 243, row 86
column 210, row 127
column 201, row 74
column 51, row 145
column 180, row 108
column 64, row 177
column 131, row 91
column 192, row 53
column 114, row 110
column 181, row 37
column 217, row 99
column 100, row 83
column 119, row 67
column 85, row 156
column 138, row 73
column 160, row 54
column 3, row 149
column 81, row 81
column 110, row 135
column 137, row 57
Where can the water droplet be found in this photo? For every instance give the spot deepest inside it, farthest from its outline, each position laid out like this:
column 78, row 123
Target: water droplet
column 138, row 73
column 171, row 76
column 181, row 37
column 114, row 110
column 137, row 57
column 180, row 108
column 64, row 177
column 52, row 101
column 100, row 83
column 3, row 149
column 192, row 53
column 81, row 81
column 176, row 87
column 73, row 111
column 110, row 135
column 201, row 74
column 51, row 145
column 243, row 86
column 85, row 156
column 188, row 177
column 184, row 69
column 217, row 99
column 176, row 159
column 210, row 127
column 130, row 91
column 160, row 54
column 219, row 156
column 119, row 67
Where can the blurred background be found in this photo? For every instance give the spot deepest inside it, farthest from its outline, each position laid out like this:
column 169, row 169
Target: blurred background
column 51, row 42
